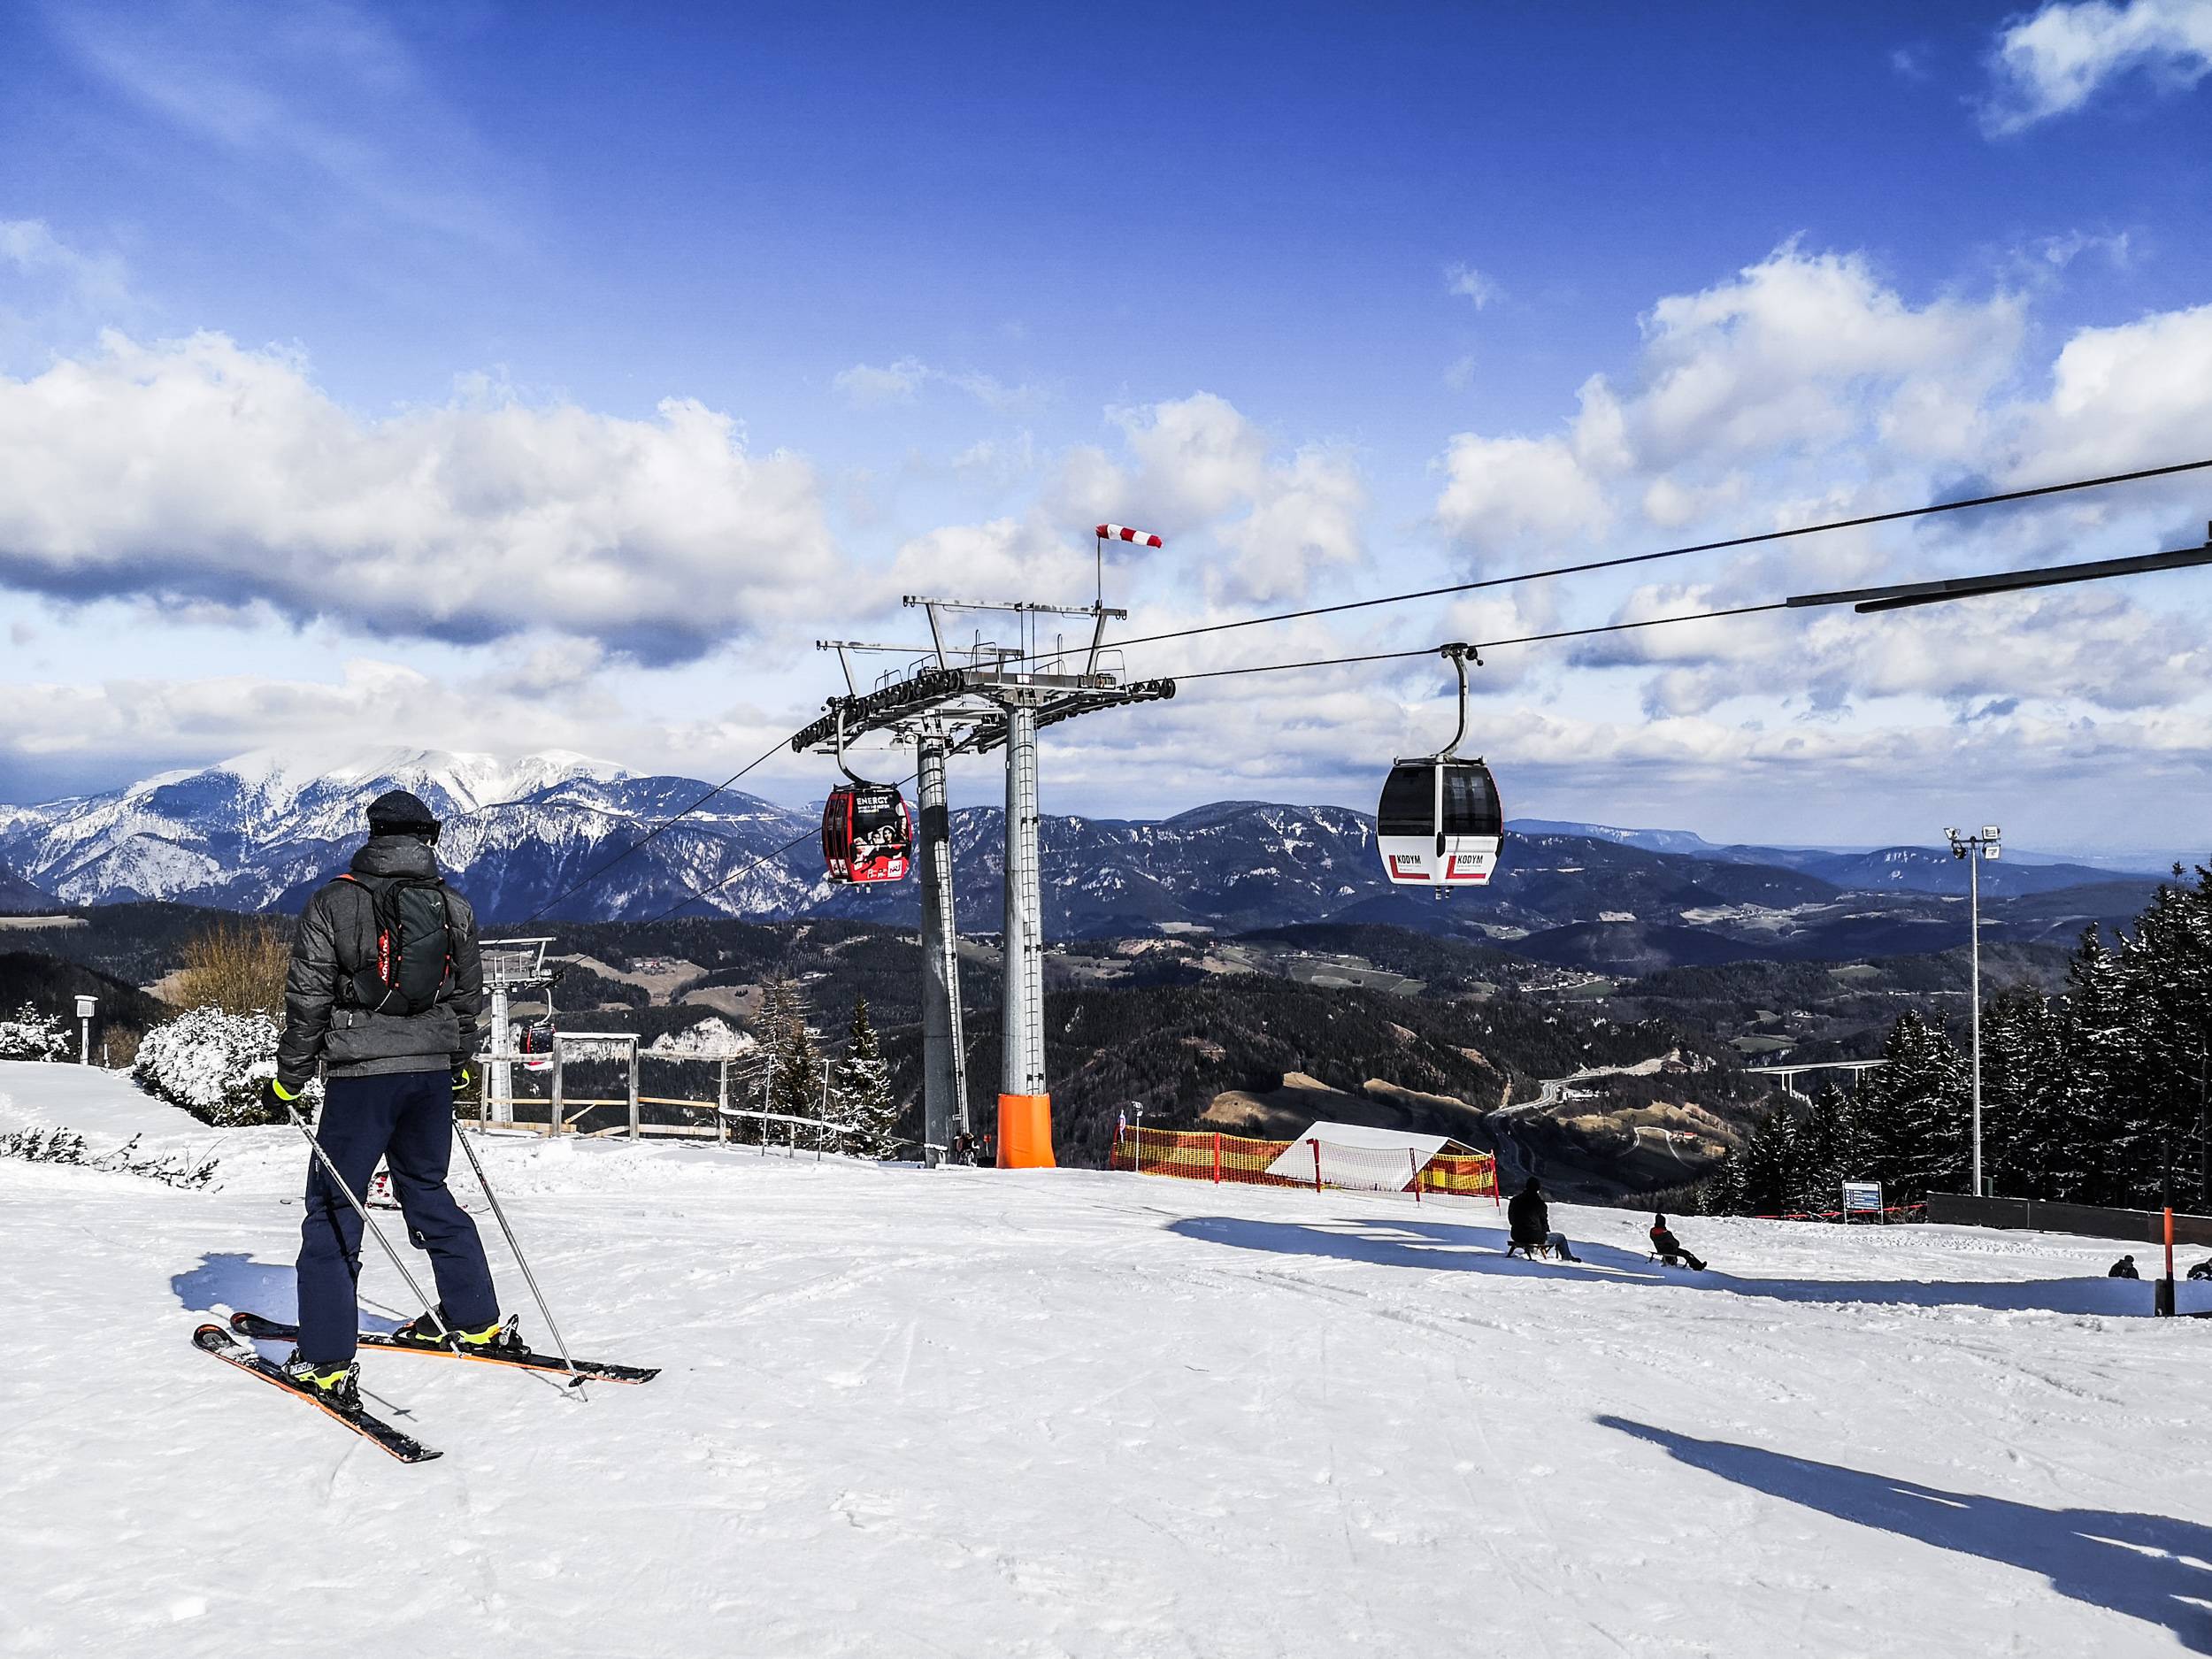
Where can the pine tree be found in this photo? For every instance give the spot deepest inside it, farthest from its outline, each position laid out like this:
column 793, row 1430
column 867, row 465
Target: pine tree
column 2167, row 967
column 2028, row 1147
column 1828, row 1150
column 860, row 1091
column 1915, row 1110
column 795, row 1085
column 2103, row 1067
column 1768, row 1164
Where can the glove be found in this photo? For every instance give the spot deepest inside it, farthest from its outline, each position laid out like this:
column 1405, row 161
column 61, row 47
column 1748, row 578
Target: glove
column 275, row 1097
column 462, row 1078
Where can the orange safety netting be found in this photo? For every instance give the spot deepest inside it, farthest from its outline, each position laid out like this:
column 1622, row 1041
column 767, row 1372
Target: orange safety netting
column 1205, row 1154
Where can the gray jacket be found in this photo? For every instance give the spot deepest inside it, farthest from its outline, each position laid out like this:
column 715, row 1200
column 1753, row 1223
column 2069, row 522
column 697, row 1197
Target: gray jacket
column 336, row 938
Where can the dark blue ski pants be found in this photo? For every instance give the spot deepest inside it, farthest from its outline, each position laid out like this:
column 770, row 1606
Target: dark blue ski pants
column 407, row 1120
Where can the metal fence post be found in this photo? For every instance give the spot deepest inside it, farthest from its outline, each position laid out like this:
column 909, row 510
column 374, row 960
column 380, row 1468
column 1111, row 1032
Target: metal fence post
column 722, row 1103
column 634, row 1065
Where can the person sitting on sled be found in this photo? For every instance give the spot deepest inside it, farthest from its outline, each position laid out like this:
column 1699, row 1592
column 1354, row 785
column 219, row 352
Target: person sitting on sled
column 1669, row 1249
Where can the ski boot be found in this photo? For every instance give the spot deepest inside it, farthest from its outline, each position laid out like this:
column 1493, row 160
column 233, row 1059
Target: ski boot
column 496, row 1338
column 337, row 1386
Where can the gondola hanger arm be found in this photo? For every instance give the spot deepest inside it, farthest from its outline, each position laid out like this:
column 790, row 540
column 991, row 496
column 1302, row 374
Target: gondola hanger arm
column 842, row 766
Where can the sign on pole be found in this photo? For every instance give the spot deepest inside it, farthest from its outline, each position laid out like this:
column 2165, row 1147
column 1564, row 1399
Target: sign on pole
column 1862, row 1198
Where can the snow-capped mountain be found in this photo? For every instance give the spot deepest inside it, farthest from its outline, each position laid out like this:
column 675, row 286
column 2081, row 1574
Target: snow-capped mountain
column 254, row 832
column 261, row 831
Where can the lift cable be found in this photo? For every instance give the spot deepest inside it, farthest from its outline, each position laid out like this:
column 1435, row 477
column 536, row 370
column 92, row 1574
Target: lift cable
column 697, row 894
column 1933, row 592
column 1484, row 645
column 1896, row 597
column 658, row 829
column 1861, row 522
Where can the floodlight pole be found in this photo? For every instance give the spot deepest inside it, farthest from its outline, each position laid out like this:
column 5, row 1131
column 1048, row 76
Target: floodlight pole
column 1974, row 927
column 1974, row 848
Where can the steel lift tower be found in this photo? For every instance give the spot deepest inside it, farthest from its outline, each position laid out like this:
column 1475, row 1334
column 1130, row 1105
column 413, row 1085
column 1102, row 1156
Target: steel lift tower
column 969, row 699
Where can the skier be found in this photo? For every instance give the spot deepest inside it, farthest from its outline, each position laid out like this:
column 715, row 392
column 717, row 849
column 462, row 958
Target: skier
column 1528, row 1220
column 2124, row 1268
column 1669, row 1249
column 383, row 995
column 2202, row 1269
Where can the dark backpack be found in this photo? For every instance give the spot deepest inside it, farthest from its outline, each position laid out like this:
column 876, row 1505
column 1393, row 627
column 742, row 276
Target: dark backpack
column 413, row 951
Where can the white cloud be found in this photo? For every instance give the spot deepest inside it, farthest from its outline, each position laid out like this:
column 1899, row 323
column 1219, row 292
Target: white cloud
column 1801, row 356
column 29, row 248
column 196, row 472
column 1500, row 491
column 1809, row 350
column 329, row 91
column 1256, row 522
column 2054, row 61
column 1469, row 283
column 866, row 386
column 2135, row 394
column 540, row 699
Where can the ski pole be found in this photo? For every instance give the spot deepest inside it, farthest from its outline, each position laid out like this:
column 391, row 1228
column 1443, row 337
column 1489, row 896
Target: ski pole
column 530, row 1279
column 361, row 1210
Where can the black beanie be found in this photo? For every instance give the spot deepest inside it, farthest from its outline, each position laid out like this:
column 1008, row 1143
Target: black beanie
column 397, row 813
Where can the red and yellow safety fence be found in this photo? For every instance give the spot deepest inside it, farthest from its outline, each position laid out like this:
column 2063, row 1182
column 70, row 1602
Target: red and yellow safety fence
column 1208, row 1155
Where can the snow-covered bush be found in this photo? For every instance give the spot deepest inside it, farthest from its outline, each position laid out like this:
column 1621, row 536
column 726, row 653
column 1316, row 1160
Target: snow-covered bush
column 211, row 1063
column 32, row 1035
column 712, row 1039
column 62, row 1146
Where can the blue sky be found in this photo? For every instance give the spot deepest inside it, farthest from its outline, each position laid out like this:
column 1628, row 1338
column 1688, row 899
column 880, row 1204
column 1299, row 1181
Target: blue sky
column 489, row 377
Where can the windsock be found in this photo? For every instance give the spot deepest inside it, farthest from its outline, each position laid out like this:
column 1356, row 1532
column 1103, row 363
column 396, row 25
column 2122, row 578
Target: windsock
column 1123, row 533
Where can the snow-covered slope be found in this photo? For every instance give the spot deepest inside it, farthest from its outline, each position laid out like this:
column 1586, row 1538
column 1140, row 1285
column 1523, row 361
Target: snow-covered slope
column 971, row 1412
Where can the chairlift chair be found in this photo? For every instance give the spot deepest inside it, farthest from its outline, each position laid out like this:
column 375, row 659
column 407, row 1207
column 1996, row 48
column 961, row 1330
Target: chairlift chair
column 1439, row 823
column 867, row 833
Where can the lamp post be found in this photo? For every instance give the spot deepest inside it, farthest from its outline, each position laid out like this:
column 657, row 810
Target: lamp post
column 1974, row 848
column 87, row 1006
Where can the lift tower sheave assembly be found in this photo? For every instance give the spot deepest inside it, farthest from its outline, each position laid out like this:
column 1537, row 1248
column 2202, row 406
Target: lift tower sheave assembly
column 971, row 699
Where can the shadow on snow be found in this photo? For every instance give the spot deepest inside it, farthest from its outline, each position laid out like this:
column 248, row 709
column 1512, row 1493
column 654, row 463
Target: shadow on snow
column 2149, row 1567
column 1451, row 1247
column 229, row 1281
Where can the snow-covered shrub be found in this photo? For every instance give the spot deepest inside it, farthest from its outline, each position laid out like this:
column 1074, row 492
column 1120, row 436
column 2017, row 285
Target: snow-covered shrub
column 32, row 1035
column 712, row 1039
column 212, row 1064
column 62, row 1146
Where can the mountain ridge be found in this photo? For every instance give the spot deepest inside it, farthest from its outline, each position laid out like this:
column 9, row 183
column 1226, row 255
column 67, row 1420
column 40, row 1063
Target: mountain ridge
column 261, row 831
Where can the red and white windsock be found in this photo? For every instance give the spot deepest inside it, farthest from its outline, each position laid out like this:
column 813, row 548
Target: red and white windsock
column 1123, row 533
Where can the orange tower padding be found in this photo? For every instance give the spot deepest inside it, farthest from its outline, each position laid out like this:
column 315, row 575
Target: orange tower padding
column 1024, row 1132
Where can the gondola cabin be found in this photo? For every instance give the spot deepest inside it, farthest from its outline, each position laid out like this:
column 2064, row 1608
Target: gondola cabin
column 867, row 834
column 1440, row 824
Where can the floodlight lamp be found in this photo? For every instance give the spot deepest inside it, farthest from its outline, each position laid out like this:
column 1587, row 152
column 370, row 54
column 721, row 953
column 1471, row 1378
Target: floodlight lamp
column 1989, row 832
column 1990, row 849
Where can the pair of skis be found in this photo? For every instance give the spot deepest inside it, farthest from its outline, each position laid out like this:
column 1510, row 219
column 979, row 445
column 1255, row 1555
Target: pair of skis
column 213, row 1338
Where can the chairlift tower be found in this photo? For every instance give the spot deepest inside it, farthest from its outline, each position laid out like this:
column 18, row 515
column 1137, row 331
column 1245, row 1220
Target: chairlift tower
column 510, row 965
column 969, row 699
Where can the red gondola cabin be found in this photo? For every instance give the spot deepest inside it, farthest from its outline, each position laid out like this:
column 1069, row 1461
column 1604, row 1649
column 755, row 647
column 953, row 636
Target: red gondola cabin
column 867, row 834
